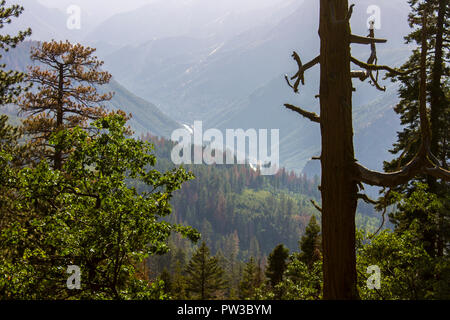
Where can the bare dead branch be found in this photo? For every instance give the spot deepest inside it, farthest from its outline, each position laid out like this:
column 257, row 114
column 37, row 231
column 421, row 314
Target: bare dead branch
column 374, row 81
column 366, row 199
column 365, row 40
column 334, row 20
column 435, row 160
column 288, row 82
column 419, row 164
column 377, row 67
column 363, row 75
column 307, row 66
column 439, row 173
column 301, row 70
column 390, row 179
column 310, row 115
column 350, row 12
column 314, row 203
column 383, row 215
column 360, row 74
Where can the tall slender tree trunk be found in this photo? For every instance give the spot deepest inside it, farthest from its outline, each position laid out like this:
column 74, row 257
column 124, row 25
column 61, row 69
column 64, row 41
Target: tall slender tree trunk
column 204, row 257
column 437, row 106
column 57, row 165
column 339, row 190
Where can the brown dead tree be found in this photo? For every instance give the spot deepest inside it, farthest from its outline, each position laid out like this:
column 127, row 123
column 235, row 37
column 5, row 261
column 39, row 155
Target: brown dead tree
column 342, row 175
column 66, row 77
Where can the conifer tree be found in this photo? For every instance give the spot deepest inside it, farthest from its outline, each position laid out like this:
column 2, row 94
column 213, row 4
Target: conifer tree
column 205, row 278
column 166, row 277
column 310, row 243
column 10, row 88
column 436, row 225
column 251, row 280
column 178, row 283
column 66, row 95
column 277, row 264
column 10, row 81
column 9, row 135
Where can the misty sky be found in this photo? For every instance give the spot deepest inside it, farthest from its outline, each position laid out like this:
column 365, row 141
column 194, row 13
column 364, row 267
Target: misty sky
column 103, row 9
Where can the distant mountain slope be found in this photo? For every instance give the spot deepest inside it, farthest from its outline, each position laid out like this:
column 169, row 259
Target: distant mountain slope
column 96, row 11
column 239, row 83
column 46, row 23
column 147, row 118
column 198, row 79
column 375, row 123
column 194, row 18
column 235, row 79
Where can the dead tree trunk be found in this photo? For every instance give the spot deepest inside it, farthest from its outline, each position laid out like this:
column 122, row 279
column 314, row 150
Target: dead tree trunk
column 341, row 174
column 338, row 188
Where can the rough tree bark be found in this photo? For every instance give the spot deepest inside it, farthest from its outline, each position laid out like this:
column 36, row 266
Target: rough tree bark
column 437, row 107
column 57, row 162
column 342, row 176
column 339, row 190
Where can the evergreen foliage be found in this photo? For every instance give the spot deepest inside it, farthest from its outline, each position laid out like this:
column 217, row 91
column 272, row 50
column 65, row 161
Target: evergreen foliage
column 310, row 243
column 10, row 81
column 436, row 224
column 204, row 276
column 65, row 95
column 277, row 264
column 252, row 279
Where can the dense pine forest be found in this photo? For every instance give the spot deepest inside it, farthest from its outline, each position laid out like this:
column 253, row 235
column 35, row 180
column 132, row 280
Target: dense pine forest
column 241, row 215
column 92, row 206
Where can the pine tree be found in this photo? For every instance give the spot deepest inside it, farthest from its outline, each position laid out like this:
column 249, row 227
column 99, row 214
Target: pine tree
column 436, row 225
column 10, row 81
column 254, row 248
column 66, row 95
column 178, row 283
column 277, row 264
column 205, row 278
column 11, row 153
column 166, row 277
column 251, row 280
column 310, row 243
column 9, row 135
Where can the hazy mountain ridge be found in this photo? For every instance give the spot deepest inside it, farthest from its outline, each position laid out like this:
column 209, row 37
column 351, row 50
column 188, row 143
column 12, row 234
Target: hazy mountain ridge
column 46, row 23
column 146, row 117
column 236, row 80
column 239, row 83
column 199, row 18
